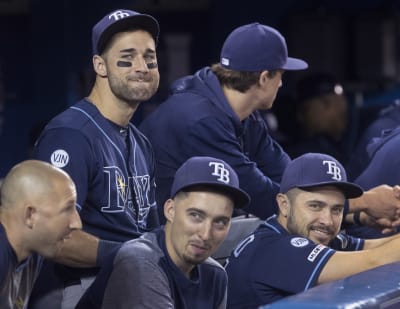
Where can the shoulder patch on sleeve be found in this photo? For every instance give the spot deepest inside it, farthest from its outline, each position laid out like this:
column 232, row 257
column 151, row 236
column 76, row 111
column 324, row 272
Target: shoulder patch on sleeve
column 59, row 158
column 317, row 250
column 299, row 242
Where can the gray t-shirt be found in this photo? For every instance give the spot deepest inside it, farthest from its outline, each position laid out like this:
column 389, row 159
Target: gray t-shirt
column 144, row 276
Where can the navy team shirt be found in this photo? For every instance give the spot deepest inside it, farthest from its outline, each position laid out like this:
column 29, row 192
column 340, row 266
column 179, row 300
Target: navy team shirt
column 112, row 167
column 271, row 264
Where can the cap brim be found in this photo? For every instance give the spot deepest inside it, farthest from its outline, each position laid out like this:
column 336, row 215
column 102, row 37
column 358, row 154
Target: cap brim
column 349, row 190
column 293, row 64
column 240, row 198
column 144, row 21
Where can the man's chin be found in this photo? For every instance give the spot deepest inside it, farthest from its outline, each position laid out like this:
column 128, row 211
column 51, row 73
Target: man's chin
column 321, row 240
column 198, row 259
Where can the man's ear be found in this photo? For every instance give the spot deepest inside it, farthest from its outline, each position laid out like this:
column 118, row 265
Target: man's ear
column 283, row 204
column 99, row 66
column 30, row 216
column 169, row 210
column 264, row 77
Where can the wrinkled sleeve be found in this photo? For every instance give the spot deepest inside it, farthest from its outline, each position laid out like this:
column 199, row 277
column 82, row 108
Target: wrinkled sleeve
column 137, row 282
column 222, row 305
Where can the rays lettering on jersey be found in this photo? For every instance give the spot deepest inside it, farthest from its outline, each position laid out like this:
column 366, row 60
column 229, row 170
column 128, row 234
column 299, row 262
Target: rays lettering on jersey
column 120, row 193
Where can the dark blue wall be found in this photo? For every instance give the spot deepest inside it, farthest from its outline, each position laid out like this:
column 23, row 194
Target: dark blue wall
column 45, row 51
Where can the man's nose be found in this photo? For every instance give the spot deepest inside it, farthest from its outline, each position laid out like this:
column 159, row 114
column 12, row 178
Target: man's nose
column 76, row 223
column 206, row 230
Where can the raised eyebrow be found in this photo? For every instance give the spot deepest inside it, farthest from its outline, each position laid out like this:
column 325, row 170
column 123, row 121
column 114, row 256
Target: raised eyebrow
column 132, row 50
column 196, row 210
column 316, row 202
column 127, row 50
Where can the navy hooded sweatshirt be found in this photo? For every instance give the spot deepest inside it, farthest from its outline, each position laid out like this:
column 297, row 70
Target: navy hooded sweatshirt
column 197, row 120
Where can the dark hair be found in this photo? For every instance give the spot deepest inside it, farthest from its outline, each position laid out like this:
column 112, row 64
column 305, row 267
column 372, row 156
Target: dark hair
column 202, row 188
column 238, row 80
column 316, row 85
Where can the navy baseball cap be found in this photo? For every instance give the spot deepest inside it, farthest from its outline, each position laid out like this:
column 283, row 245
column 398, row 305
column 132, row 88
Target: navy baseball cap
column 317, row 169
column 212, row 172
column 118, row 21
column 256, row 47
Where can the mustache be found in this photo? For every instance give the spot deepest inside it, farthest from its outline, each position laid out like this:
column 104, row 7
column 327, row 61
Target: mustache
column 140, row 77
column 323, row 229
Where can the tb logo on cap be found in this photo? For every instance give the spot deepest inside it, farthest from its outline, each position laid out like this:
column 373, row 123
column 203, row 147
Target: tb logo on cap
column 118, row 15
column 333, row 170
column 220, row 171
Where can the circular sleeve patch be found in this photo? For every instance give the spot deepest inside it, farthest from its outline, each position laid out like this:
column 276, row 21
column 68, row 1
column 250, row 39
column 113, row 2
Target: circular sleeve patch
column 299, row 242
column 59, row 158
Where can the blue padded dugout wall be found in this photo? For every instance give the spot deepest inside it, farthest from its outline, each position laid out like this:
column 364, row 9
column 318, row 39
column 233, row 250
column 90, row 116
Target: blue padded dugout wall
column 376, row 288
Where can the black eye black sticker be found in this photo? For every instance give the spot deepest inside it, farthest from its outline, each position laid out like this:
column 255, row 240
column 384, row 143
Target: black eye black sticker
column 152, row 65
column 124, row 64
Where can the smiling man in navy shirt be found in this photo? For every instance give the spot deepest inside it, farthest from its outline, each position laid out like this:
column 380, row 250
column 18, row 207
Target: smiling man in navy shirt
column 302, row 246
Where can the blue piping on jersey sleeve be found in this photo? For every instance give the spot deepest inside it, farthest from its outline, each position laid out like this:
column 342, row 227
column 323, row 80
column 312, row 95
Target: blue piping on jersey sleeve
column 272, row 227
column 360, row 244
column 322, row 260
column 101, row 130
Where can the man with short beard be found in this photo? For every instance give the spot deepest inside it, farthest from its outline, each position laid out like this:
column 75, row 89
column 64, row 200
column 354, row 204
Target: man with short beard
column 302, row 246
column 171, row 267
column 110, row 161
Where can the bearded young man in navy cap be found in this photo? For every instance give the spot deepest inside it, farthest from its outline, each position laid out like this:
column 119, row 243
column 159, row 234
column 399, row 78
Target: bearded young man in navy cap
column 110, row 161
column 215, row 113
column 171, row 266
column 302, row 246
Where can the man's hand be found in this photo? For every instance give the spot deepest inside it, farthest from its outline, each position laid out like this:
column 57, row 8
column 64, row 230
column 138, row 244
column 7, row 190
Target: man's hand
column 382, row 204
column 382, row 224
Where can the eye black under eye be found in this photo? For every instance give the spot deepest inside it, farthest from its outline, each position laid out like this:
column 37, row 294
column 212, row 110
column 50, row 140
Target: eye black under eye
column 124, row 64
column 152, row 65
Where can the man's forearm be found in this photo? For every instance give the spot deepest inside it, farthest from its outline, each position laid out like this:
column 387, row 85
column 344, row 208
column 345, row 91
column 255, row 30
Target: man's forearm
column 80, row 250
column 356, row 204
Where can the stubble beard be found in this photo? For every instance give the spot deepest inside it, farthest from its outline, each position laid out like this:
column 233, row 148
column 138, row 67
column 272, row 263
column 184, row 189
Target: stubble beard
column 134, row 95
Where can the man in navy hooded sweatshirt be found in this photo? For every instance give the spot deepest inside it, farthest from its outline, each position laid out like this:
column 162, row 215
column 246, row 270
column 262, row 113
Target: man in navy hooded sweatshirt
column 382, row 168
column 198, row 119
